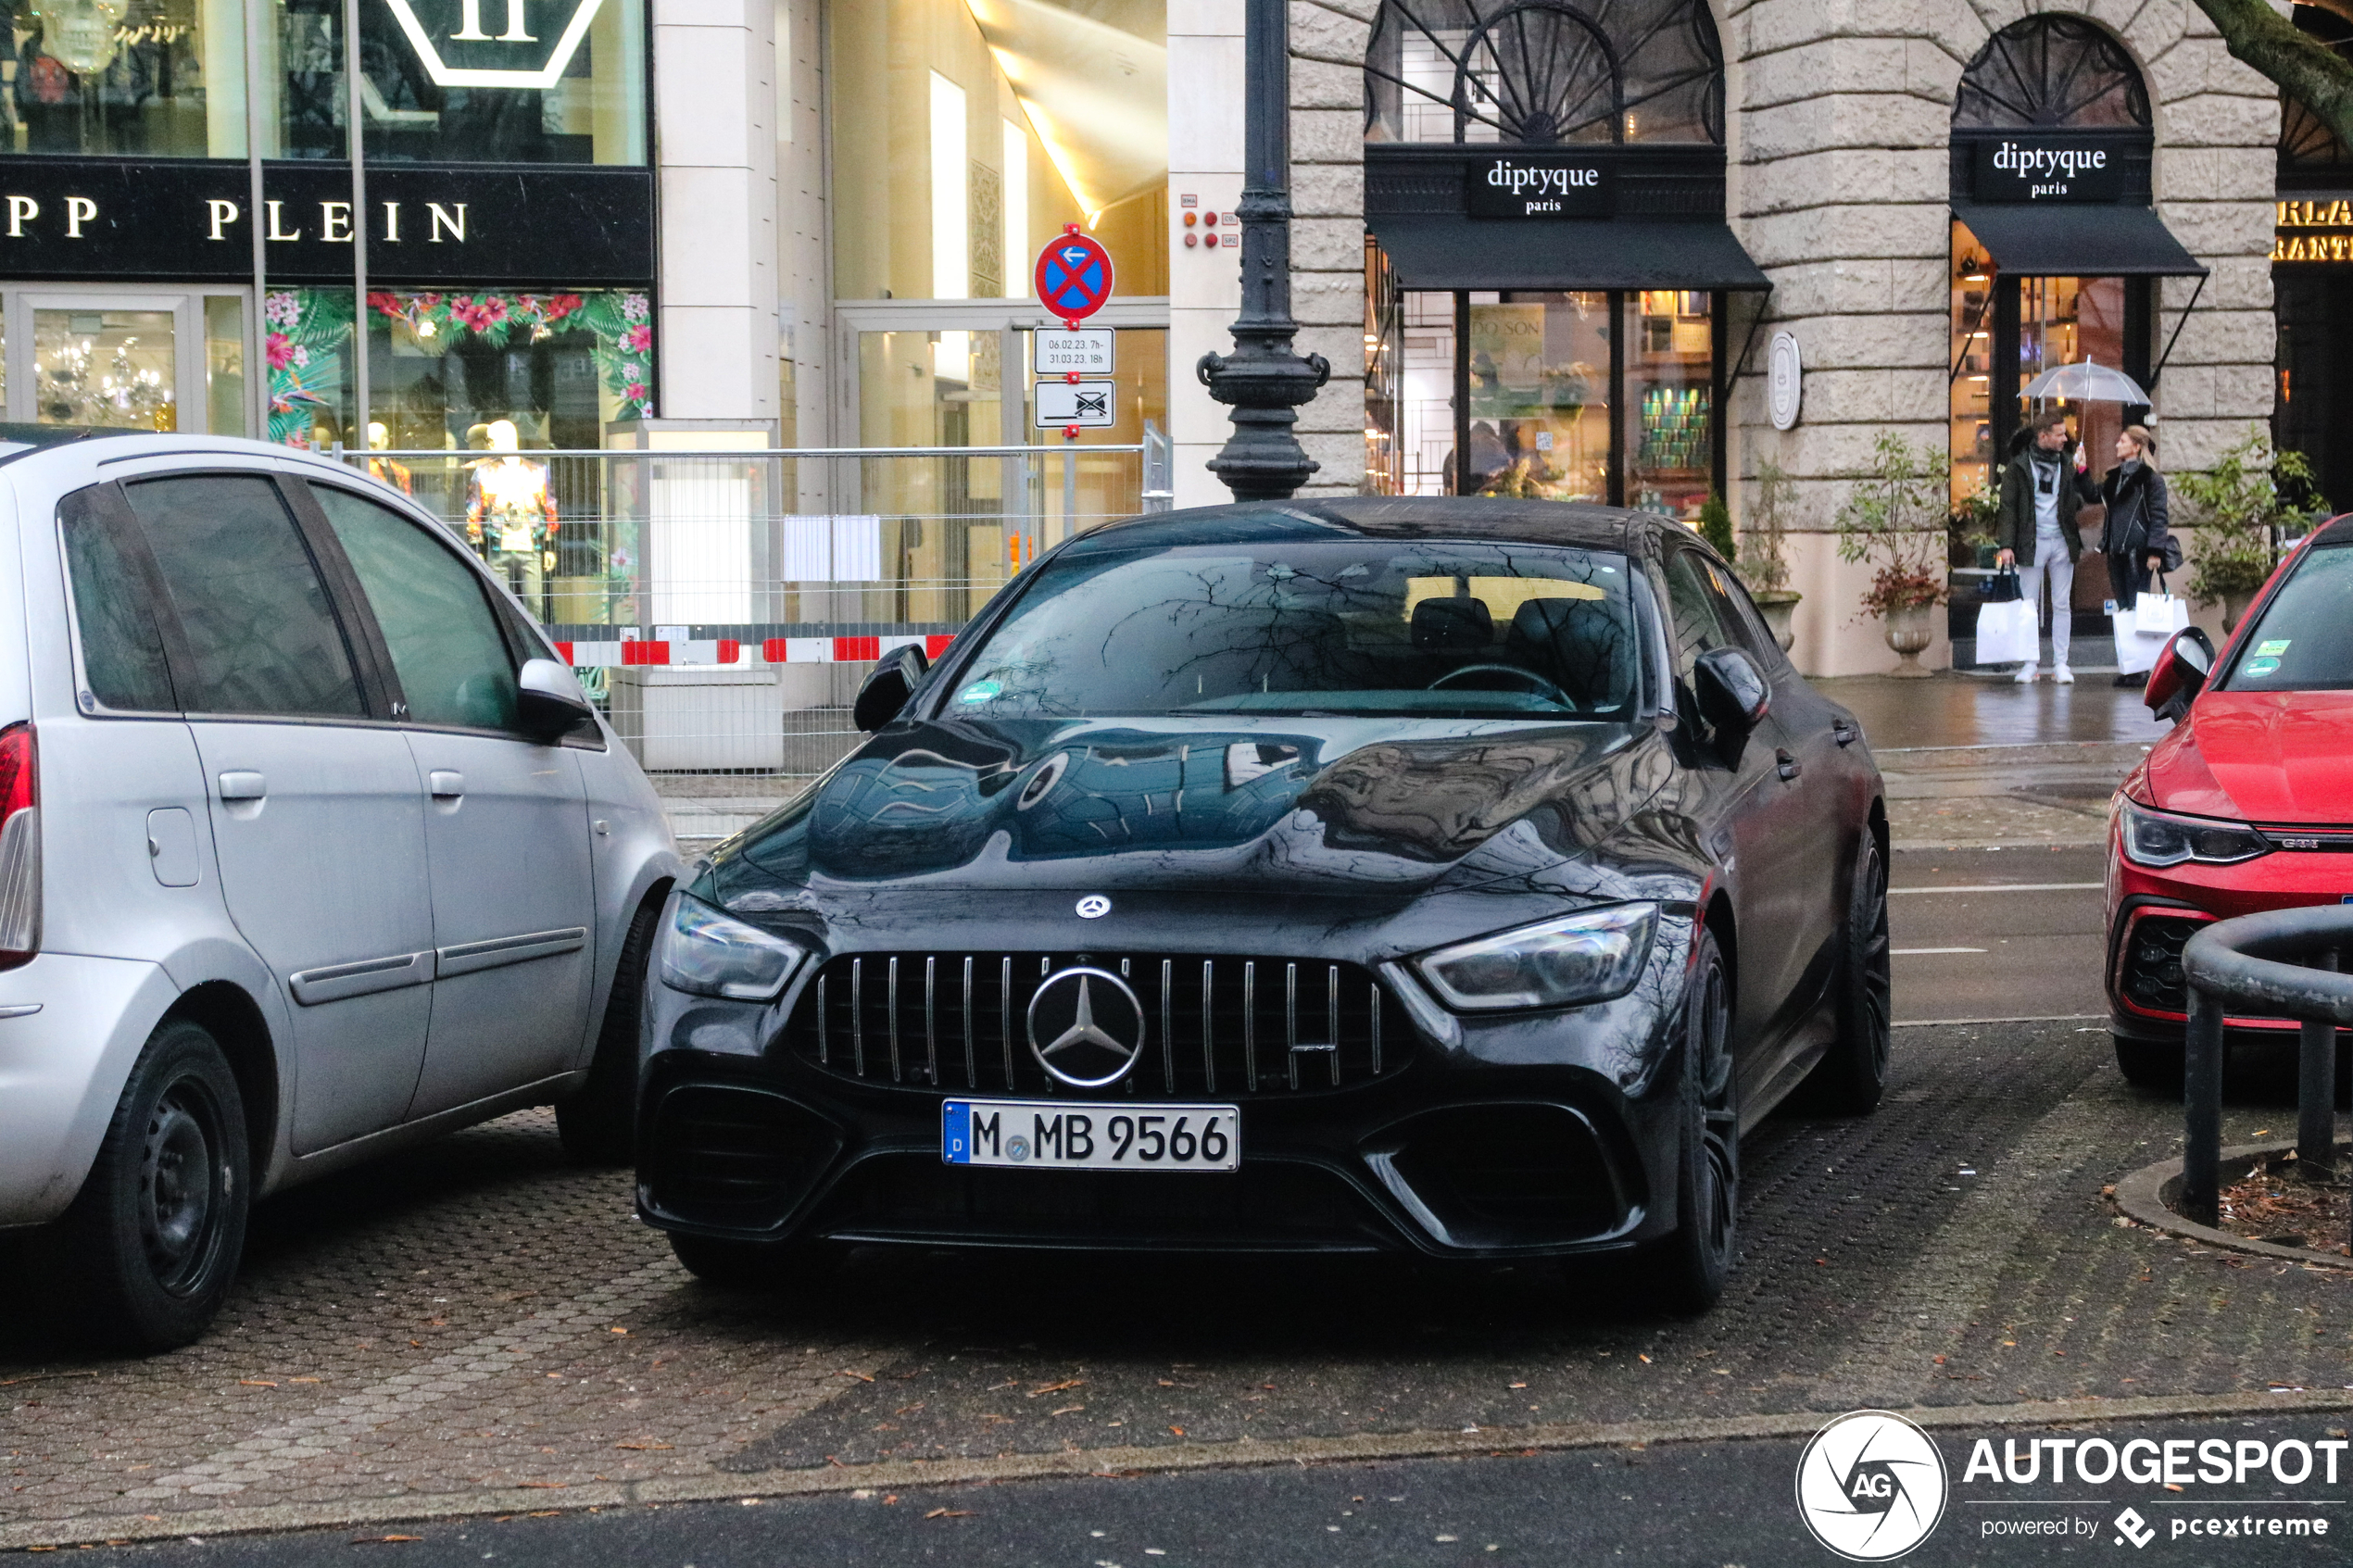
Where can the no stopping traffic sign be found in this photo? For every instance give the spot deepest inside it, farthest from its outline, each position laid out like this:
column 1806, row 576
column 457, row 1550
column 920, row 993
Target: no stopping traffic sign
column 1074, row 275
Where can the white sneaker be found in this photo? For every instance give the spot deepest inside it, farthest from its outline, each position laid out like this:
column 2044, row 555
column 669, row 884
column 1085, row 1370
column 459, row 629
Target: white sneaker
column 2063, row 676
column 2025, row 676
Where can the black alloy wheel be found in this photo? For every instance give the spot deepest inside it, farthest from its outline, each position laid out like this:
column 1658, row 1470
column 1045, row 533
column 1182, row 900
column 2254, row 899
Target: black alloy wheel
column 149, row 1248
column 1852, row 1074
column 599, row 1123
column 757, row 1265
column 1686, row 1273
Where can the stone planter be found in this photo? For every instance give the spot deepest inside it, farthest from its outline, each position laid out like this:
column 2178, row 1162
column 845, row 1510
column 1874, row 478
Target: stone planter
column 1910, row 631
column 1777, row 605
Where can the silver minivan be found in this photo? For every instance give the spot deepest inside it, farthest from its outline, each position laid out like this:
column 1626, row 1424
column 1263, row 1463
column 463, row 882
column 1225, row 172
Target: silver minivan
column 310, row 849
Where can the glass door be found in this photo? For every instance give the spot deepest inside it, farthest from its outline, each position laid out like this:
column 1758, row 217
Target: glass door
column 125, row 359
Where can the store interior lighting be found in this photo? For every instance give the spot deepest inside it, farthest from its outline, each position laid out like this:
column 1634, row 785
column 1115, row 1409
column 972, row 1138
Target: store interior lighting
column 1092, row 75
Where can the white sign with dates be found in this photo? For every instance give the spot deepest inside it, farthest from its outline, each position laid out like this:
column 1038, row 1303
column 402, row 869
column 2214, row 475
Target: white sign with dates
column 1057, row 352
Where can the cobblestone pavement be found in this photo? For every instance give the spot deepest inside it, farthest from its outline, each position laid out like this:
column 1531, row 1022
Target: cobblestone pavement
column 479, row 1320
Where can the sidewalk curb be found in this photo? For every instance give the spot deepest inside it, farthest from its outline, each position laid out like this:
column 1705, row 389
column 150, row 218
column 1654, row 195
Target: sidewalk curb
column 1128, row 1462
column 2142, row 1198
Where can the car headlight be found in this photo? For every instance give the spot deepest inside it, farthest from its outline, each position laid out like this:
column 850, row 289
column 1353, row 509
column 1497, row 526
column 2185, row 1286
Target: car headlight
column 712, row 954
column 2160, row 838
column 1584, row 958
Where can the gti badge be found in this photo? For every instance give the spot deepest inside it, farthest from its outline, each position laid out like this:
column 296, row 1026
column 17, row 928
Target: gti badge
column 1085, row 1027
column 1093, row 906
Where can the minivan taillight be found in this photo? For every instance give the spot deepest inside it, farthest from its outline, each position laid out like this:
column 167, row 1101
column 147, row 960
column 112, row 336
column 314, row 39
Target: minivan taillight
column 20, row 847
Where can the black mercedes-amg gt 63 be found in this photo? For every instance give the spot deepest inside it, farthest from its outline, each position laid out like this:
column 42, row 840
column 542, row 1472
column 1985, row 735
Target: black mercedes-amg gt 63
column 1452, row 877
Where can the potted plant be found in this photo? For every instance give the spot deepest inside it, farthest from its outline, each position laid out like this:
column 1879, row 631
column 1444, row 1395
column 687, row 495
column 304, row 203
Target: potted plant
column 1971, row 528
column 2243, row 505
column 1764, row 557
column 1896, row 517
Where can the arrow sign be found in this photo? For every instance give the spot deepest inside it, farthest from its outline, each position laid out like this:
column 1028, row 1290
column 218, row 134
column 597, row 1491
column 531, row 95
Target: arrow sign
column 1074, row 275
column 1089, row 405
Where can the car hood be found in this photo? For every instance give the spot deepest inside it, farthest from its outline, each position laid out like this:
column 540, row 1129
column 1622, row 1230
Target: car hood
column 1278, row 805
column 2262, row 757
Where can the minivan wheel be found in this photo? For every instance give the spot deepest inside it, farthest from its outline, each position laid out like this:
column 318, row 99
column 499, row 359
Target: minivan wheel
column 599, row 1124
column 144, row 1255
column 1686, row 1273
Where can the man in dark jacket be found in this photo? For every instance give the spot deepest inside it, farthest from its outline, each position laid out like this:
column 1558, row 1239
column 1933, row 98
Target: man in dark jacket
column 2035, row 529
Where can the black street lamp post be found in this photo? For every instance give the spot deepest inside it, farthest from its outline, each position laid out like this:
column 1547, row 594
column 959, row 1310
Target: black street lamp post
column 1263, row 380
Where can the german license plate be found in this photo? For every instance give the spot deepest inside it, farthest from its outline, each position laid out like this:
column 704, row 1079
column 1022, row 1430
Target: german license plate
column 1091, row 1137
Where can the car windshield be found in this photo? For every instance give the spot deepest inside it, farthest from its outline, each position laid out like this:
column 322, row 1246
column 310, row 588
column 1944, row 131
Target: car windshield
column 1440, row 630
column 2305, row 641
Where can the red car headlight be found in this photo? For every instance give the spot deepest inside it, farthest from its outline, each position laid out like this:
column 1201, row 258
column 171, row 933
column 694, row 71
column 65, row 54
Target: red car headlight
column 2161, row 838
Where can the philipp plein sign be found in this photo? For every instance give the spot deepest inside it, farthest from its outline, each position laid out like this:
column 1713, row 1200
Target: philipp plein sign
column 1540, row 186
column 494, row 43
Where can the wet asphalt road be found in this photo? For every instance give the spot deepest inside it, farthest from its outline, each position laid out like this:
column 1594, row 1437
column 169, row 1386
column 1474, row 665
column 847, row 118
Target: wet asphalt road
column 1701, row 1504
column 2015, row 932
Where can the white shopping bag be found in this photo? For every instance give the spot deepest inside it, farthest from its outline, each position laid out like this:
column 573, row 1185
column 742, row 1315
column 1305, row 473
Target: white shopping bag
column 2160, row 612
column 2136, row 651
column 2009, row 633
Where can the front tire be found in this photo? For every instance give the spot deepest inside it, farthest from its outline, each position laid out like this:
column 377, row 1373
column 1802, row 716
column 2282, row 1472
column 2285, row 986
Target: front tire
column 599, row 1124
column 1687, row 1272
column 755, row 1265
column 148, row 1249
column 2150, row 1064
column 1852, row 1076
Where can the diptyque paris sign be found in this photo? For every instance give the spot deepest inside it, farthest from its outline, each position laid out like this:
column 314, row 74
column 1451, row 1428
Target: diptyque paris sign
column 520, row 43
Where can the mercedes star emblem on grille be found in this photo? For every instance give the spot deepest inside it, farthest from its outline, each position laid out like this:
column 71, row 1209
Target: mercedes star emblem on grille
column 1093, row 906
column 1085, row 1027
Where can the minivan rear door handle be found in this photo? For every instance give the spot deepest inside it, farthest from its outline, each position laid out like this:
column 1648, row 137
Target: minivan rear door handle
column 243, row 785
column 447, row 783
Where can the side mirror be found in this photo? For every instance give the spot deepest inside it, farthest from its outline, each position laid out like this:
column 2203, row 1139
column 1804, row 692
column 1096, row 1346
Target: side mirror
column 1733, row 698
column 887, row 690
column 2179, row 674
column 548, row 701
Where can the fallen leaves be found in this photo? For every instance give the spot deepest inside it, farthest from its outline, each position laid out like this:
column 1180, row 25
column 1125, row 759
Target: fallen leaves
column 861, row 1376
column 255, row 1383
column 1055, row 1387
column 949, row 1513
column 383, row 1540
column 644, row 1448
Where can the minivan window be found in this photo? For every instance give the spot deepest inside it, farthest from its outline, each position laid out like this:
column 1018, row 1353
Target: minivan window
column 262, row 635
column 122, row 662
column 453, row 663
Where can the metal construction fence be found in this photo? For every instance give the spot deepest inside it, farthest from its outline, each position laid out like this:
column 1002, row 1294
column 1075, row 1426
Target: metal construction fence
column 724, row 604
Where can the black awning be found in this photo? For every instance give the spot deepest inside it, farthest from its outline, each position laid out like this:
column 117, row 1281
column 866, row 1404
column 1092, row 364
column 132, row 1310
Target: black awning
column 1463, row 253
column 2078, row 242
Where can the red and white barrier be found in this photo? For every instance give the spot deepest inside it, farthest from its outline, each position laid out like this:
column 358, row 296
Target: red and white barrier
column 727, row 650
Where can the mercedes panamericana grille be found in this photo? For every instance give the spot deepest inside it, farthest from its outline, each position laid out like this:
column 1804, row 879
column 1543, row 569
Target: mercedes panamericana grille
column 2247, row 805
column 1456, row 878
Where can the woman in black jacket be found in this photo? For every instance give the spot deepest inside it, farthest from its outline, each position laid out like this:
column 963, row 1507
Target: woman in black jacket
column 2135, row 538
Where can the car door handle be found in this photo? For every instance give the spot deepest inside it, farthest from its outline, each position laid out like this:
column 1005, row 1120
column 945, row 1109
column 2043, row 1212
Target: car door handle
column 447, row 783
column 1790, row 765
column 243, row 785
column 1845, row 732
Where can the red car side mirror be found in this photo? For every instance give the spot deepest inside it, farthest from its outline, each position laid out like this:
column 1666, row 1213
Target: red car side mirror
column 2179, row 674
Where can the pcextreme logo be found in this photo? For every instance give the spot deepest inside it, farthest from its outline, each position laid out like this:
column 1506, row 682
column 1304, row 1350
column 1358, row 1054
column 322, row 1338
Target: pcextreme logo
column 1871, row 1485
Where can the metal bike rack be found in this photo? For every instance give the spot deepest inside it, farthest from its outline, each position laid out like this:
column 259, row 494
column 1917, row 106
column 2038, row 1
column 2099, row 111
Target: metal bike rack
column 2281, row 963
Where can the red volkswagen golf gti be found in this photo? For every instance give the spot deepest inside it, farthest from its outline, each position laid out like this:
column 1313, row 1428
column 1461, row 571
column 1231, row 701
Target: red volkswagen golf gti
column 2247, row 805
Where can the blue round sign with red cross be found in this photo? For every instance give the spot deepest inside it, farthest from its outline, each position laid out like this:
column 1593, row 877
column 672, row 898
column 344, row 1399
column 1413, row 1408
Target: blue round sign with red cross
column 1074, row 275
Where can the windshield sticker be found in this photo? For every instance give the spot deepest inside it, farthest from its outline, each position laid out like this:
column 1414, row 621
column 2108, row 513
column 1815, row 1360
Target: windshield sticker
column 2262, row 666
column 2271, row 649
column 980, row 691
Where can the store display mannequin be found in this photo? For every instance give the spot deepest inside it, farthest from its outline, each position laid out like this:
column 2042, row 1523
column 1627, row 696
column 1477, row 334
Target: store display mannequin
column 392, row 474
column 510, row 516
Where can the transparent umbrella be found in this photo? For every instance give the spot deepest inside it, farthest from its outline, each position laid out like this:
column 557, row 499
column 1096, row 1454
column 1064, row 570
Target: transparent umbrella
column 2087, row 382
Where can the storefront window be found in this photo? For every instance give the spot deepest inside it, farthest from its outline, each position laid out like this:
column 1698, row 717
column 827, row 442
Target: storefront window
column 1670, row 434
column 1539, row 397
column 962, row 135
column 109, row 368
column 445, row 367
column 167, row 79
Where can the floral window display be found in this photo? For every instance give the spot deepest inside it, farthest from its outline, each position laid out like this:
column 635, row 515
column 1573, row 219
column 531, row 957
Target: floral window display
column 560, row 365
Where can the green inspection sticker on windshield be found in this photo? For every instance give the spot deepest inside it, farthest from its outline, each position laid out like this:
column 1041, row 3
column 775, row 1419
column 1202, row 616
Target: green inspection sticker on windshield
column 980, row 691
column 2262, row 666
column 2273, row 649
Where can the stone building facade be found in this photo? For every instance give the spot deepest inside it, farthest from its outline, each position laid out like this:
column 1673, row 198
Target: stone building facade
column 1840, row 180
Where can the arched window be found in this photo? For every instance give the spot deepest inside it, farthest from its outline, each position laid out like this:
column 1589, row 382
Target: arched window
column 1545, row 72
column 2052, row 70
